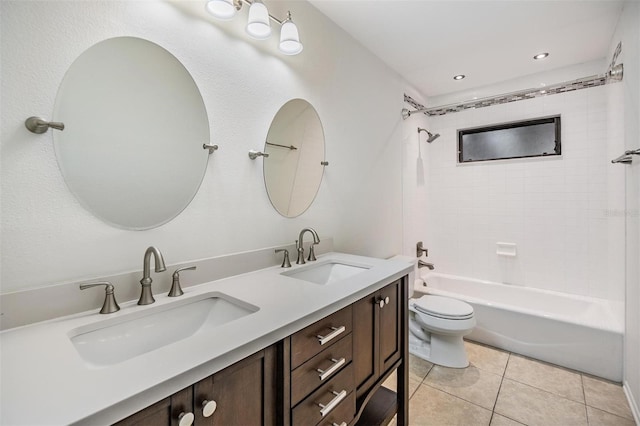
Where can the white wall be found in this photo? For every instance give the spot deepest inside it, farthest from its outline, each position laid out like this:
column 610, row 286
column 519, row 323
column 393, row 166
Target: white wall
column 47, row 237
column 628, row 31
column 565, row 214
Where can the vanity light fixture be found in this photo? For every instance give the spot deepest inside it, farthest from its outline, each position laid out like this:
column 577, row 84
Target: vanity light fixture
column 222, row 9
column 289, row 37
column 258, row 25
column 541, row 55
column 459, row 77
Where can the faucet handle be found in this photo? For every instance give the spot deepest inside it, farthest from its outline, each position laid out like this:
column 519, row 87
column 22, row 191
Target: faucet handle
column 109, row 305
column 176, row 289
column 286, row 263
column 312, row 254
column 420, row 250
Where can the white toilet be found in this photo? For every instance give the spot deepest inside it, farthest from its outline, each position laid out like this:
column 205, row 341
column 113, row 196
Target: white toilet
column 437, row 325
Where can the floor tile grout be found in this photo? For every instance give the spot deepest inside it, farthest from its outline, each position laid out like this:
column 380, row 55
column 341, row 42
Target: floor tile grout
column 503, row 376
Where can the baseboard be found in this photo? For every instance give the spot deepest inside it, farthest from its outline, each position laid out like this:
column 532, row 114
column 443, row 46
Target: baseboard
column 632, row 402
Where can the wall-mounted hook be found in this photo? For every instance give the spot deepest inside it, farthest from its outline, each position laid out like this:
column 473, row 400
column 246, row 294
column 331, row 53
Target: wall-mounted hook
column 211, row 148
column 253, row 154
column 38, row 125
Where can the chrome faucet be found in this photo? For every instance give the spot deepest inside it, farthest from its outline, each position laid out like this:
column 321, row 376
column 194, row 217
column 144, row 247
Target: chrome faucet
column 300, row 246
column 146, row 296
column 423, row 264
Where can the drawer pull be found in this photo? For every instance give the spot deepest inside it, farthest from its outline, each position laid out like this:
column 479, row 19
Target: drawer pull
column 341, row 424
column 336, row 332
column 337, row 363
column 185, row 419
column 208, row 408
column 339, row 396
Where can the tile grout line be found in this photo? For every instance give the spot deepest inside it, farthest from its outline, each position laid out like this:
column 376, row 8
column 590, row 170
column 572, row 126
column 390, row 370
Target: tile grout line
column 584, row 395
column 493, row 410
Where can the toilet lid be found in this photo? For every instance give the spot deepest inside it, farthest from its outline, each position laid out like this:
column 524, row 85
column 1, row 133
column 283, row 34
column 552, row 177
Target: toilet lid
column 443, row 307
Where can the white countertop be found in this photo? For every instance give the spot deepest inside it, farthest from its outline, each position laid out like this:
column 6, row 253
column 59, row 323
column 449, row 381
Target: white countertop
column 45, row 381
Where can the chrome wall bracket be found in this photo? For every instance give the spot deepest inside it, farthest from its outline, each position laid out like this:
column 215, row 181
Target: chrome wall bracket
column 253, row 154
column 211, row 148
column 627, row 157
column 38, row 125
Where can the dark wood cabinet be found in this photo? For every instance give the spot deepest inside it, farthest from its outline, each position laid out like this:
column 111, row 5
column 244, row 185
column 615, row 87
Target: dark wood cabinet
column 377, row 329
column 327, row 373
column 380, row 346
column 242, row 394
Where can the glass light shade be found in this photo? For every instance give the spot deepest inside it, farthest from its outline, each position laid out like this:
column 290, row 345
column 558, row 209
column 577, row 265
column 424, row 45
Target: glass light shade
column 290, row 39
column 221, row 9
column 258, row 25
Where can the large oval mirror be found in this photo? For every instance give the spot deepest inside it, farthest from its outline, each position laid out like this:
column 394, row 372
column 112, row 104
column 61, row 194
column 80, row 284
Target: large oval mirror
column 293, row 170
column 135, row 123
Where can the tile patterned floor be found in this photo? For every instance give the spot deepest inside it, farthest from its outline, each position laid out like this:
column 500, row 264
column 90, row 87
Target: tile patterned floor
column 504, row 389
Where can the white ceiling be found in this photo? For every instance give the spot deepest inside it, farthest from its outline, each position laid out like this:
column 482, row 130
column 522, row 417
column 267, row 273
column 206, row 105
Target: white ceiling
column 430, row 41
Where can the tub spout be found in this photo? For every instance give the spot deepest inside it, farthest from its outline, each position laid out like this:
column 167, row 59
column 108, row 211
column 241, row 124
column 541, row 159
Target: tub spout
column 423, row 264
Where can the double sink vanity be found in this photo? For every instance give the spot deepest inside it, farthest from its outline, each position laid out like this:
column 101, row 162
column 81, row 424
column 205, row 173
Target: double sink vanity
column 306, row 345
column 287, row 345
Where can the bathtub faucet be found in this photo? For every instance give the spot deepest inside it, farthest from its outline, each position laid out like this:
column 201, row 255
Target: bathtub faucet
column 423, row 264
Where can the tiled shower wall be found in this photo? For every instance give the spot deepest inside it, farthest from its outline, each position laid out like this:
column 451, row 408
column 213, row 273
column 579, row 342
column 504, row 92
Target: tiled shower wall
column 565, row 215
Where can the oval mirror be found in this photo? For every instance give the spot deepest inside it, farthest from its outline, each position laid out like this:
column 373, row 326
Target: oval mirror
column 293, row 171
column 135, row 123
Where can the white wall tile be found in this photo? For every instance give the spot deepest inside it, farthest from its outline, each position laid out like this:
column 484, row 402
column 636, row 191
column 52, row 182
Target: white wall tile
column 559, row 211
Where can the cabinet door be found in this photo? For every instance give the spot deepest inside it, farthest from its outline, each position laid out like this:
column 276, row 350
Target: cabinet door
column 163, row 413
column 365, row 342
column 390, row 326
column 244, row 394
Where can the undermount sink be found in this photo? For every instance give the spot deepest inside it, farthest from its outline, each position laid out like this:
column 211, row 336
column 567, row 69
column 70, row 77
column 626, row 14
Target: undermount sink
column 112, row 341
column 327, row 272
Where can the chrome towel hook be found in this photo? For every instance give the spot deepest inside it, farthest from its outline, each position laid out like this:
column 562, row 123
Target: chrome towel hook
column 38, row 125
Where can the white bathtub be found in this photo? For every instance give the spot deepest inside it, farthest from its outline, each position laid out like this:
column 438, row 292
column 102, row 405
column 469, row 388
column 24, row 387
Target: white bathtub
column 577, row 332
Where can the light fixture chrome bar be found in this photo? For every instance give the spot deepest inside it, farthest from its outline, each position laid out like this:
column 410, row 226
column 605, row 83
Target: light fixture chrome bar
column 291, row 147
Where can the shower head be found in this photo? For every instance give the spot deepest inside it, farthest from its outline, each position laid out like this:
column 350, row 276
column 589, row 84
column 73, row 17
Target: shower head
column 431, row 137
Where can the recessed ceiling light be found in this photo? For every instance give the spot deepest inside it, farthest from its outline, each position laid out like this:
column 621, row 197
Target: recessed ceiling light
column 541, row 55
column 458, row 77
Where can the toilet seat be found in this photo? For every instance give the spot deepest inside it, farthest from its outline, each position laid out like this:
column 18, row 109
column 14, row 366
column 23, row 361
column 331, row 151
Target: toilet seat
column 443, row 307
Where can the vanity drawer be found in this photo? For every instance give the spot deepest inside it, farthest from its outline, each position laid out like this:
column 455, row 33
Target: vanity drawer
column 319, row 335
column 343, row 413
column 306, row 378
column 331, row 395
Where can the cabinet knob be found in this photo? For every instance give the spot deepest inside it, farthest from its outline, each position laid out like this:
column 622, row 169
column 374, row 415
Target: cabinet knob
column 380, row 303
column 386, row 300
column 208, row 408
column 185, row 419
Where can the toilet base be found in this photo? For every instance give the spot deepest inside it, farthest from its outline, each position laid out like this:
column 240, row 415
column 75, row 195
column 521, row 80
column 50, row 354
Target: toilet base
column 447, row 351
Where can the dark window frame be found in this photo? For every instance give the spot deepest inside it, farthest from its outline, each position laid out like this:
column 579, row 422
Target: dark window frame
column 514, row 124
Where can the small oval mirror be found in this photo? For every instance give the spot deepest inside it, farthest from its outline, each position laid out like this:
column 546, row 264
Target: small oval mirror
column 293, row 171
column 135, row 123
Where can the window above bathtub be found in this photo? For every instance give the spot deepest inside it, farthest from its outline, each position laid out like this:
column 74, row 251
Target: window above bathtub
column 539, row 137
